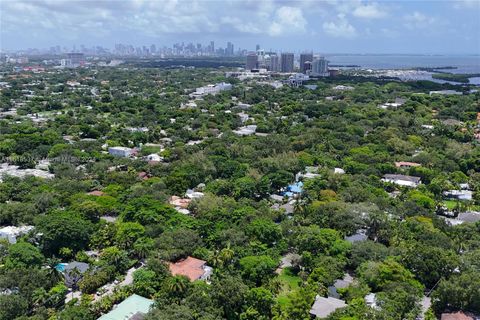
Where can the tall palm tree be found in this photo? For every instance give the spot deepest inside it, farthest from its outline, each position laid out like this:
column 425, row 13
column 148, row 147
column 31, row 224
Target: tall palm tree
column 53, row 272
column 226, row 254
column 178, row 285
column 142, row 248
column 216, row 260
column 39, row 297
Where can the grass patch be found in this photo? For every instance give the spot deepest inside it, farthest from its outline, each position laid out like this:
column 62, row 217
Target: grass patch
column 464, row 205
column 290, row 283
column 450, row 204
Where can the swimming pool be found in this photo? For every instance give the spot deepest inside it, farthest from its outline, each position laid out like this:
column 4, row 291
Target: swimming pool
column 61, row 266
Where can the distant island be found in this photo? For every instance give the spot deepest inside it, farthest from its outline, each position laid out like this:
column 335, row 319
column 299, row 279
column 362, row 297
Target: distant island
column 456, row 77
column 345, row 66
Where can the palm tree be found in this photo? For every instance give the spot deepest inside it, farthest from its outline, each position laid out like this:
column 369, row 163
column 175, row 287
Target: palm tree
column 38, row 297
column 275, row 285
column 216, row 260
column 142, row 247
column 226, row 254
column 178, row 285
column 53, row 272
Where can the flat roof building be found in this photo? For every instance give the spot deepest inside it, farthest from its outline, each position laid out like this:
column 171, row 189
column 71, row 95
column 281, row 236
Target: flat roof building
column 11, row 233
column 304, row 58
column 252, row 61
column 134, row 307
column 286, row 62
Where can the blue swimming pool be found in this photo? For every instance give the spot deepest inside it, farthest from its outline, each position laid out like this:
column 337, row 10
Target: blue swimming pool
column 61, row 266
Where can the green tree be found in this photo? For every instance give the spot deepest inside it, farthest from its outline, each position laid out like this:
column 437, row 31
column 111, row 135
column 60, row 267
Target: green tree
column 63, row 230
column 378, row 274
column 23, row 255
column 258, row 268
column 128, row 233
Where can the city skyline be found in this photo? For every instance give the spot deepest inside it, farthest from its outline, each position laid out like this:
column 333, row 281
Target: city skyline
column 354, row 26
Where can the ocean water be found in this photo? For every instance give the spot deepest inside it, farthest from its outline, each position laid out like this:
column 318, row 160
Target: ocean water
column 463, row 64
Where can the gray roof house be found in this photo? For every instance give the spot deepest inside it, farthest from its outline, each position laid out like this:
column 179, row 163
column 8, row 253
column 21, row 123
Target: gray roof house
column 73, row 272
column 323, row 307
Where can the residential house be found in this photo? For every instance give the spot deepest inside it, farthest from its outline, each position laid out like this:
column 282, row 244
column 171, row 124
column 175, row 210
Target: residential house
column 406, row 164
column 323, row 307
column 210, row 89
column 15, row 171
column 446, row 92
column 464, row 217
column 11, row 233
column 293, row 190
column 153, row 158
column 246, row 130
column 96, row 193
column 134, row 307
column 276, row 198
column 393, row 105
column 371, row 301
column 73, row 272
column 402, row 180
column 123, row 152
column 192, row 268
column 340, row 284
column 359, row 236
column 343, row 88
column 460, row 315
column 193, row 194
column 459, row 194
column 180, row 204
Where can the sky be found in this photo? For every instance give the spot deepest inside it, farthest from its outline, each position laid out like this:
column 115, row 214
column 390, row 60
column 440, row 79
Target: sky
column 325, row 26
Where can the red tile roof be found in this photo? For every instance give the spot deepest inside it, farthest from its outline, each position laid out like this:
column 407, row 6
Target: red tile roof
column 97, row 193
column 180, row 202
column 192, row 268
column 406, row 164
column 455, row 316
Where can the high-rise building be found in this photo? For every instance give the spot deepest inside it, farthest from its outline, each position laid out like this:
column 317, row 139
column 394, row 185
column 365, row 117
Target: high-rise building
column 274, row 63
column 286, row 62
column 257, row 47
column 212, row 47
column 75, row 59
column 304, row 58
column 229, row 50
column 252, row 61
column 319, row 66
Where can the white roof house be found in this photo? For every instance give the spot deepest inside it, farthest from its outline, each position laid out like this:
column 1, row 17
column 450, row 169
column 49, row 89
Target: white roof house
column 154, row 157
column 120, row 151
column 192, row 194
column 402, row 180
column 246, row 130
column 15, row 171
column 459, row 194
column 11, row 233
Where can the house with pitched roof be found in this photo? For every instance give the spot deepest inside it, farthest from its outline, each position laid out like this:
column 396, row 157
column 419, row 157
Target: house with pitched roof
column 192, row 268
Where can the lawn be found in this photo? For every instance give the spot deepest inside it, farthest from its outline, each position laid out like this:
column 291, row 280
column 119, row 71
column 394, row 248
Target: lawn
column 290, row 282
column 450, row 204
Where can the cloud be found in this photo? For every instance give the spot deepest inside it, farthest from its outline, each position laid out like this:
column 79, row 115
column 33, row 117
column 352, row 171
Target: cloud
column 340, row 28
column 466, row 4
column 418, row 20
column 287, row 20
column 369, row 11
